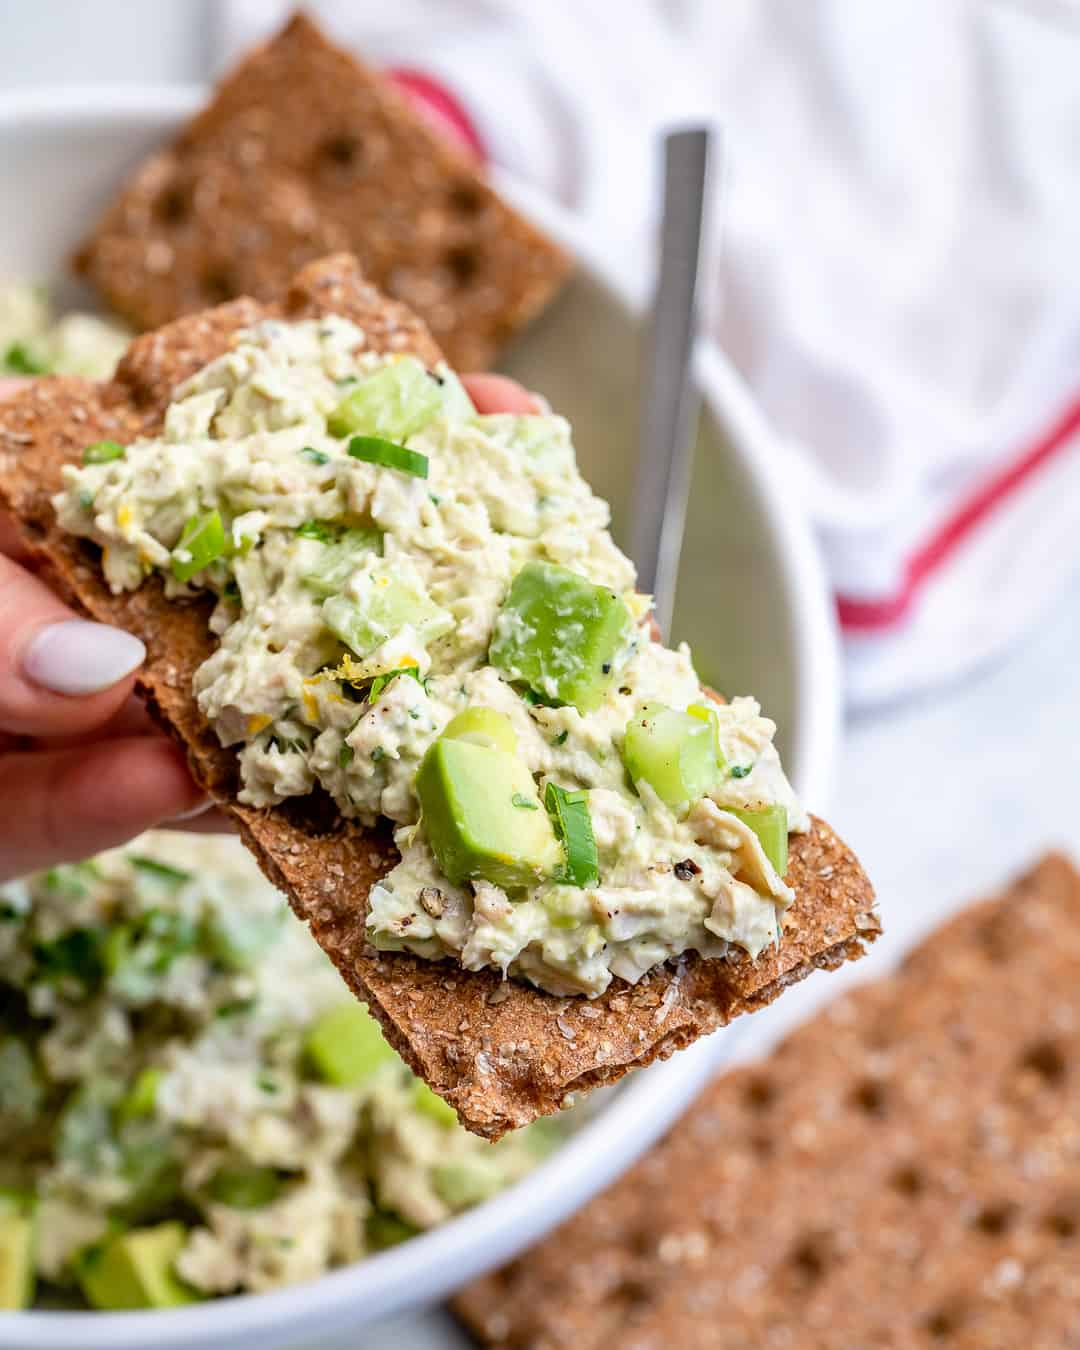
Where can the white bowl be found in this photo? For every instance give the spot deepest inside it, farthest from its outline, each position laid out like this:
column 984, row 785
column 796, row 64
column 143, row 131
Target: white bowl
column 752, row 598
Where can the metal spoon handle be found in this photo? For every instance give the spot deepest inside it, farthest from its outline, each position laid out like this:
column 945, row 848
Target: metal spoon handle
column 670, row 397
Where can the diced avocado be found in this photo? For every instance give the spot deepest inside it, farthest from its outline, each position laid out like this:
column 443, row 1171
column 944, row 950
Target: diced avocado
column 430, row 1104
column 383, row 606
column 339, row 559
column 387, row 1230
column 135, row 1270
column 16, row 1260
column 483, row 726
column 464, row 1184
column 345, row 1045
column 674, row 752
column 560, row 634
column 395, row 402
column 245, row 1186
column 483, row 817
column 770, row 824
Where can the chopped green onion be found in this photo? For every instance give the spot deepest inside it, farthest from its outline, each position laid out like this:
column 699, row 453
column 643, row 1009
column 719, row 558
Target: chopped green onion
column 345, row 756
column 235, row 1007
column 316, row 456
column 374, row 450
column 317, row 529
column 203, row 540
column 377, row 754
column 523, row 802
column 101, row 452
column 20, row 360
column 560, row 739
column 569, row 812
column 163, row 871
column 741, row 770
column 379, row 683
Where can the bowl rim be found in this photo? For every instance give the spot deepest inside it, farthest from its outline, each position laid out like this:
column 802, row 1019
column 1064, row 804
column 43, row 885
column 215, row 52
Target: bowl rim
column 444, row 1258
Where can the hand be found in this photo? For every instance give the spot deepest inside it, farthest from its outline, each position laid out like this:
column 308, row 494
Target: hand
column 82, row 767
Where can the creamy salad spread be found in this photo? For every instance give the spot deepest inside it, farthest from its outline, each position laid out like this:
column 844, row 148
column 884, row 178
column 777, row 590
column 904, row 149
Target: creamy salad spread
column 34, row 340
column 421, row 612
column 190, row 1102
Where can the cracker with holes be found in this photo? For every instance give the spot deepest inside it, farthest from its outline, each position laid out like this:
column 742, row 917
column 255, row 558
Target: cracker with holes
column 902, row 1171
column 304, row 151
column 406, row 657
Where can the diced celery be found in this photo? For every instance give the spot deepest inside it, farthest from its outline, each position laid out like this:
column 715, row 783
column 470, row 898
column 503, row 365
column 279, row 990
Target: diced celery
column 386, row 604
column 395, row 402
column 337, row 561
column 770, row 824
column 707, row 713
column 674, row 752
column 464, row 1184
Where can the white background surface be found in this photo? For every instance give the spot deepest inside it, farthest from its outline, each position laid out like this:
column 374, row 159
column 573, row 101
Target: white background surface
column 943, row 797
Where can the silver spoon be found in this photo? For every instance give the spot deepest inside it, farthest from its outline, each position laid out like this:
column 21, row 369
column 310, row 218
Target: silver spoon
column 671, row 401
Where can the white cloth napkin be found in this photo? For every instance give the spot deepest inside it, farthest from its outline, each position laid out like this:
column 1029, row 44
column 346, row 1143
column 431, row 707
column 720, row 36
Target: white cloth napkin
column 895, row 268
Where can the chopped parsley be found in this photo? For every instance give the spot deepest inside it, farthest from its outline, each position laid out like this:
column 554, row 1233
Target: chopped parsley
column 741, row 770
column 316, row 456
column 523, row 802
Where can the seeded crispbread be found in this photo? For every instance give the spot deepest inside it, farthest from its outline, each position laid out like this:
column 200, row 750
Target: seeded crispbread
column 903, row 1171
column 501, row 1052
column 302, row 152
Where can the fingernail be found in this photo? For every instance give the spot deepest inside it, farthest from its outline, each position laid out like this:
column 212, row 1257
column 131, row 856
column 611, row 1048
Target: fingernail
column 79, row 657
column 195, row 811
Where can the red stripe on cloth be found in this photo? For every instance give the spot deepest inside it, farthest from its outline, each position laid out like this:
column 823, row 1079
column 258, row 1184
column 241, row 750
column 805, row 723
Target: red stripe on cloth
column 865, row 615
column 447, row 112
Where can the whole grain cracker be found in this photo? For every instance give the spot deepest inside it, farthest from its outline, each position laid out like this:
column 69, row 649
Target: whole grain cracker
column 501, row 1053
column 904, row 1171
column 304, row 151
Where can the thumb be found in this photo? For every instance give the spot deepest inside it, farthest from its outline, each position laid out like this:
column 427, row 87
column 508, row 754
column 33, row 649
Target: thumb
column 59, row 674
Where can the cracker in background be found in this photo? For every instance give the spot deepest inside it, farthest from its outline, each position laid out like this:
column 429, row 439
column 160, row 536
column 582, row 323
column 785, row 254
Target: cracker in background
column 302, row 152
column 501, row 1052
column 904, row 1171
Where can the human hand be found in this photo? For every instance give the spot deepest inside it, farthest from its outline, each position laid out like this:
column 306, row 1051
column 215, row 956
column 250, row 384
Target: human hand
column 82, row 767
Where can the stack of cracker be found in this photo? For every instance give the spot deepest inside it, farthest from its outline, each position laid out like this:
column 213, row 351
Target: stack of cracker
column 303, row 152
column 904, row 1171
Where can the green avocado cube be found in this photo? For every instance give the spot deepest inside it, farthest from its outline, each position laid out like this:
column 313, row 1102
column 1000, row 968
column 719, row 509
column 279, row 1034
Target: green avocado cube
column 16, row 1260
column 483, row 817
column 770, row 824
column 135, row 1270
column 674, row 752
column 560, row 634
column 345, row 1045
column 383, row 605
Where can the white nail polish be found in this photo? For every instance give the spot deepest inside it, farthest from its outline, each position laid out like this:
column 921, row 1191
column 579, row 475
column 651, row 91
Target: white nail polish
column 78, row 657
column 199, row 810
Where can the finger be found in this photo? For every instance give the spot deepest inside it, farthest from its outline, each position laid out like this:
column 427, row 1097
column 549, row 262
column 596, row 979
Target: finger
column 499, row 394
column 209, row 820
column 61, row 805
column 132, row 719
column 59, row 675
column 11, row 543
